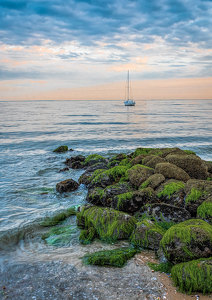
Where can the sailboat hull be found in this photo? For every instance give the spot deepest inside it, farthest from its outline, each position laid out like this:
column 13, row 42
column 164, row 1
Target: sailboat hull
column 129, row 103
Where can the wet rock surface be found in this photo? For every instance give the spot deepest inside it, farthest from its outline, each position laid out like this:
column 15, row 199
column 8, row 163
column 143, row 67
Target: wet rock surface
column 67, row 185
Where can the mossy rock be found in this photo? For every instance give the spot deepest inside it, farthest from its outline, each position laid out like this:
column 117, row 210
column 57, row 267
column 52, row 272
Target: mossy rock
column 116, row 160
column 104, row 197
column 172, row 192
column 204, row 211
column 191, row 239
column 58, row 218
column 146, row 152
column 132, row 201
column 109, row 177
column 110, row 225
column 153, row 181
column 197, row 191
column 153, row 161
column 94, row 159
column 193, row 276
column 191, row 164
column 61, row 149
column 75, row 162
column 147, row 234
column 113, row 258
column 163, row 212
column 171, row 171
column 138, row 174
column 167, row 151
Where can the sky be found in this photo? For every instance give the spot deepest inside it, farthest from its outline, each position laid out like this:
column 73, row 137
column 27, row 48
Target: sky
column 82, row 49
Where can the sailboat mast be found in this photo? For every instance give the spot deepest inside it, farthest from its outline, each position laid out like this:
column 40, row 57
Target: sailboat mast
column 128, row 85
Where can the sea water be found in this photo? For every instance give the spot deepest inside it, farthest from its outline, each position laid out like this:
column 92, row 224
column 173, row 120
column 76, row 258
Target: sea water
column 31, row 130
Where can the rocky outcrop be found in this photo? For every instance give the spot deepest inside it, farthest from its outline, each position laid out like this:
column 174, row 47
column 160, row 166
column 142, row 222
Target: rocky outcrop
column 68, row 185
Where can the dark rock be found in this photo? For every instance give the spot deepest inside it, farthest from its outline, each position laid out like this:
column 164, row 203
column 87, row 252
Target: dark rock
column 165, row 212
column 132, row 201
column 188, row 240
column 64, row 169
column 171, row 171
column 67, row 185
column 75, row 162
column 191, row 164
column 86, row 177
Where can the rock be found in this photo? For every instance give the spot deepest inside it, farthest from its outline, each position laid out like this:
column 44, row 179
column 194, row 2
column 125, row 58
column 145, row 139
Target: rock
column 147, row 234
column 64, row 169
column 108, row 177
column 163, row 212
column 191, row 164
column 204, row 211
column 137, row 160
column 67, row 185
column 138, row 174
column 196, row 192
column 171, row 171
column 153, row 181
column 154, row 161
column 191, row 239
column 110, row 225
column 115, row 258
column 94, row 159
column 167, row 151
column 116, row 159
column 193, row 276
column 104, row 197
column 132, row 201
column 61, row 149
column 172, row 192
column 86, row 177
column 75, row 162
column 208, row 165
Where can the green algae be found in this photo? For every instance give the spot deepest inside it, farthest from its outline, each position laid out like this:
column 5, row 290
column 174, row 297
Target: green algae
column 162, row 267
column 122, row 198
column 204, row 211
column 52, row 221
column 114, row 174
column 61, row 149
column 110, row 224
column 144, row 184
column 115, row 258
column 193, row 276
column 94, row 158
column 189, row 152
column 170, row 189
column 87, row 236
column 147, row 151
column 194, row 195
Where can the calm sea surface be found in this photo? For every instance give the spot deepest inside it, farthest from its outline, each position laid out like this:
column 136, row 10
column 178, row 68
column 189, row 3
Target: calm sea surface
column 30, row 130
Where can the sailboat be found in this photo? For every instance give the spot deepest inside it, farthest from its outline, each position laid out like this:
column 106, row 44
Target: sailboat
column 128, row 102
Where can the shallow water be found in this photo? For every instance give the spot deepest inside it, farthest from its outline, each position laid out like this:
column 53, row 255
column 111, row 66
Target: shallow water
column 30, row 130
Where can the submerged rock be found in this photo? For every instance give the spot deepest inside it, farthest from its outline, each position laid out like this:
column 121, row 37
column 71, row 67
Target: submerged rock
column 188, row 240
column 67, row 185
column 193, row 276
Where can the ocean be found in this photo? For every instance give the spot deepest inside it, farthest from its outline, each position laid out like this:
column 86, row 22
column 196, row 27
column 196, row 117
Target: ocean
column 31, row 130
